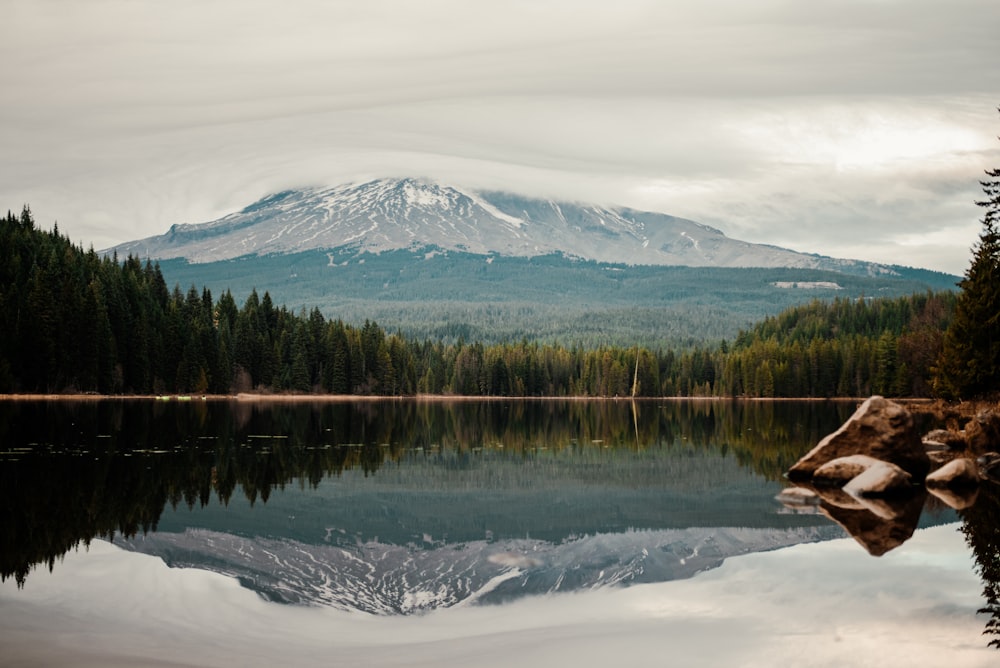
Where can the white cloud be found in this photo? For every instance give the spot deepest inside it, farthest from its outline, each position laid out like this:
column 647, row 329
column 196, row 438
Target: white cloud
column 826, row 604
column 773, row 121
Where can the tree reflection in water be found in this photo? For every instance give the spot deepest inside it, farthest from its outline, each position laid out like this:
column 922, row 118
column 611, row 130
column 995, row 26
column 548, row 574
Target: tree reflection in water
column 981, row 526
column 73, row 471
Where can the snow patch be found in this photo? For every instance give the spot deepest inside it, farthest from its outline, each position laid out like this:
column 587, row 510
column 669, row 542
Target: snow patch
column 807, row 285
column 495, row 212
column 424, row 197
column 695, row 242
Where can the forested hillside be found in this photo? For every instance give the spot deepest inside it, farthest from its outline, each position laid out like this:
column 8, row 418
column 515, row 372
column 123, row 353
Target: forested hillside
column 71, row 320
column 447, row 295
column 841, row 348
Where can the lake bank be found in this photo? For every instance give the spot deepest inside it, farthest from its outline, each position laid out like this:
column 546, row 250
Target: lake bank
column 333, row 398
column 939, row 408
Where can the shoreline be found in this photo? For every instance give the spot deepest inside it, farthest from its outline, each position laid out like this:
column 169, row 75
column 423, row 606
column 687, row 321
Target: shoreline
column 939, row 408
column 348, row 398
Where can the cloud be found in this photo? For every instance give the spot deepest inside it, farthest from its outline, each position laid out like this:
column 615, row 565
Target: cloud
column 830, row 602
column 773, row 121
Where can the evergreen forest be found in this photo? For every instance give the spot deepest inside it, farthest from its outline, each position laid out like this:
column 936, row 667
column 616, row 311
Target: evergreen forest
column 446, row 295
column 75, row 321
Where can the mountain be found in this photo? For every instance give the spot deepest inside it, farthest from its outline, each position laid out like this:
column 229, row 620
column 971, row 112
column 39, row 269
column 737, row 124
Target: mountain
column 408, row 214
column 443, row 263
column 381, row 578
column 445, row 525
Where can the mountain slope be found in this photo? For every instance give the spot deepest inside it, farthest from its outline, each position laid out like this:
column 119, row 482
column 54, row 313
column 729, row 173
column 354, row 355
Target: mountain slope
column 385, row 579
column 444, row 295
column 397, row 214
column 443, row 263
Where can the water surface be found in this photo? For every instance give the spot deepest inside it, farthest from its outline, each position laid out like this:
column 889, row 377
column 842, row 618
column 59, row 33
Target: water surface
column 402, row 506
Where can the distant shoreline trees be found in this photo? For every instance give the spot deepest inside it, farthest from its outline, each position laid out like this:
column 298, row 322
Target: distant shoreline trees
column 73, row 321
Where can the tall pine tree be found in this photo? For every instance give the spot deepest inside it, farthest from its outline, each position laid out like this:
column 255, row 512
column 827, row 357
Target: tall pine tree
column 969, row 365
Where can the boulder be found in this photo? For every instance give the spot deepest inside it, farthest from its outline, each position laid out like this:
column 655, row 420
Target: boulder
column 841, row 470
column 879, row 428
column 884, row 507
column 982, row 433
column 959, row 472
column 945, row 438
column 959, row 498
column 835, row 497
column 939, row 457
column 989, row 466
column 872, row 530
column 798, row 498
column 934, row 446
column 879, row 479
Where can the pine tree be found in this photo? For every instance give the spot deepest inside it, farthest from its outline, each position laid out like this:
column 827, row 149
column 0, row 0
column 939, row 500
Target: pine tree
column 969, row 365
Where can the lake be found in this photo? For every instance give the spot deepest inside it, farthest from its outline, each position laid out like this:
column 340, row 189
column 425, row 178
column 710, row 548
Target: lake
column 416, row 508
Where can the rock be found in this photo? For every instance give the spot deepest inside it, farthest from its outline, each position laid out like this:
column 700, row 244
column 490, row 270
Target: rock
column 959, row 472
column 879, row 479
column 838, row 498
column 934, row 446
column 951, row 440
column 798, row 497
column 871, row 530
column 982, row 433
column 989, row 466
column 879, row 428
column 885, row 507
column 841, row 470
column 959, row 499
column 940, row 457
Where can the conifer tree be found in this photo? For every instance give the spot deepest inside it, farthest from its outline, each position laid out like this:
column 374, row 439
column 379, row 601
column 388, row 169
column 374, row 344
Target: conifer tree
column 969, row 365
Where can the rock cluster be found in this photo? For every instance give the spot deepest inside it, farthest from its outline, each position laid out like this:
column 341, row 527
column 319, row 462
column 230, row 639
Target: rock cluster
column 880, row 429
column 873, row 474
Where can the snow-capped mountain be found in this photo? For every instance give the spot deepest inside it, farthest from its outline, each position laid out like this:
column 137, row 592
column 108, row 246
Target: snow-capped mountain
column 392, row 214
column 386, row 579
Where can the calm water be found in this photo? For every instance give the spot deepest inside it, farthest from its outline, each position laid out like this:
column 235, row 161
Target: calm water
column 397, row 507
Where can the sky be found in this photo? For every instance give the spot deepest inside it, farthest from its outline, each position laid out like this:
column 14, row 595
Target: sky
column 818, row 604
column 851, row 128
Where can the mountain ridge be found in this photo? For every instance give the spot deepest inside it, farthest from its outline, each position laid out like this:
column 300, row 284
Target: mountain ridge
column 411, row 214
column 438, row 262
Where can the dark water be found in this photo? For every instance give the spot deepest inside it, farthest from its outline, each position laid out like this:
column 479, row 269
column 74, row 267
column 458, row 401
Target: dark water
column 398, row 506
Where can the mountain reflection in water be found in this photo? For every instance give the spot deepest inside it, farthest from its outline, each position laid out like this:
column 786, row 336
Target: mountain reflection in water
column 405, row 505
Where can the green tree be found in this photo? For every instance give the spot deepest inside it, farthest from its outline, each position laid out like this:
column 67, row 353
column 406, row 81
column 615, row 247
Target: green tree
column 969, row 365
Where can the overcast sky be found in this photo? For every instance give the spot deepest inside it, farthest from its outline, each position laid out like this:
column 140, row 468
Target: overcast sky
column 819, row 604
column 850, row 128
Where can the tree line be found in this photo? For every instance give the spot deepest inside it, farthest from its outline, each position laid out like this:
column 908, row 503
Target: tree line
column 74, row 321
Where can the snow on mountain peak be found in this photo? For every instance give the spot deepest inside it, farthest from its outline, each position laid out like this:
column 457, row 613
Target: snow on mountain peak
column 391, row 214
column 424, row 197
